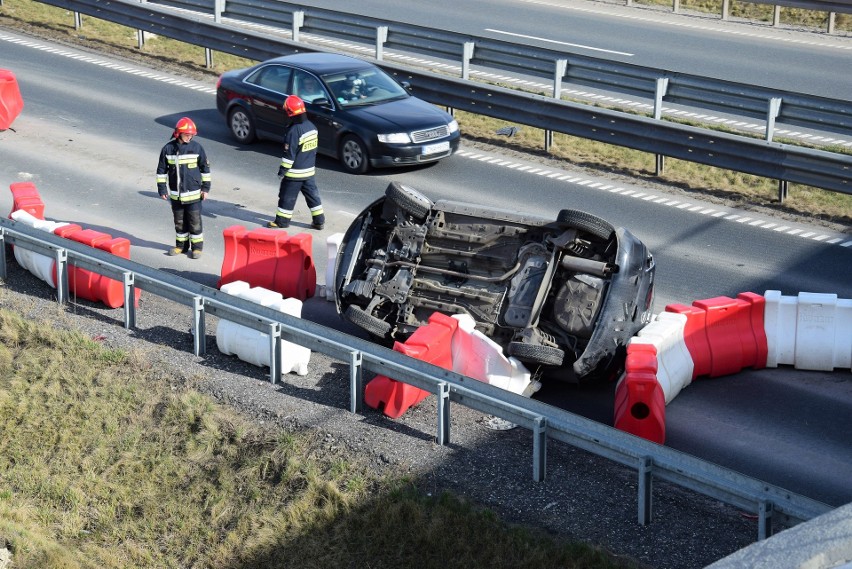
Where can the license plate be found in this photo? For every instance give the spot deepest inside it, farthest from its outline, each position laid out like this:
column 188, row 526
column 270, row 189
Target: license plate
column 436, row 148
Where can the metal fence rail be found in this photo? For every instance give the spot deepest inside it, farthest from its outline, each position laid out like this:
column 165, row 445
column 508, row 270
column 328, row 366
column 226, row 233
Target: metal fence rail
column 770, row 502
column 786, row 163
column 559, row 67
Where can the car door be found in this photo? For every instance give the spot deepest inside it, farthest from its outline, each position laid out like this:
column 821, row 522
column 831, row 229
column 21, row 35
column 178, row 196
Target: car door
column 271, row 83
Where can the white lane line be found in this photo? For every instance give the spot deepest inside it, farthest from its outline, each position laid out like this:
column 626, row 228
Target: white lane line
column 664, row 201
column 546, row 40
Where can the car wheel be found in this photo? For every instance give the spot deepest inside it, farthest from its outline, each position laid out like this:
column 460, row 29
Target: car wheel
column 368, row 322
column 242, row 125
column 586, row 221
column 536, row 353
column 409, row 200
column 353, row 155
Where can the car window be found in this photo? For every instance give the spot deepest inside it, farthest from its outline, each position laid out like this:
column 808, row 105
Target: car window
column 308, row 87
column 364, row 87
column 273, row 77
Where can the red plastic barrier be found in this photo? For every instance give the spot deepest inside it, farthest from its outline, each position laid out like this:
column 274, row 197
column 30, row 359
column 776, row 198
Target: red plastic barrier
column 431, row 343
column 270, row 259
column 92, row 286
column 695, row 337
column 729, row 334
column 640, row 404
column 25, row 196
column 11, row 103
column 758, row 330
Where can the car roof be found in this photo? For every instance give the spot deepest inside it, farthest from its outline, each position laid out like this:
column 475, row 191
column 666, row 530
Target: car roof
column 321, row 63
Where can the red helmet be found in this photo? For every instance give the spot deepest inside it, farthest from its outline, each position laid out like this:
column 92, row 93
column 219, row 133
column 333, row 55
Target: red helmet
column 185, row 125
column 294, row 106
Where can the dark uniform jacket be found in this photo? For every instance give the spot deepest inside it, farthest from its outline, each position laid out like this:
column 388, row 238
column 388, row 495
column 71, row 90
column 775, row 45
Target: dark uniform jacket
column 185, row 168
column 300, row 151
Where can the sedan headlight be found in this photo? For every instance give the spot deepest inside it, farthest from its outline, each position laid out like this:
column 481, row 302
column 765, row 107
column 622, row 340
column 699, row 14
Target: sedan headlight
column 395, row 138
column 453, row 126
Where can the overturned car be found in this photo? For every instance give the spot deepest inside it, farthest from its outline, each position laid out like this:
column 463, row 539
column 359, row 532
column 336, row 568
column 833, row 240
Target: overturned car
column 563, row 296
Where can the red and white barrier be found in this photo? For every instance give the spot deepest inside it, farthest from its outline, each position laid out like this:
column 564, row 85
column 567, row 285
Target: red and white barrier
column 332, row 243
column 478, row 356
column 41, row 266
column 11, row 103
column 251, row 345
column 809, row 331
column 270, row 259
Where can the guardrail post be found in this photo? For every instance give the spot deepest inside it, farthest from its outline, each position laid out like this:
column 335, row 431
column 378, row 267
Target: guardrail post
column 381, row 38
column 832, row 17
column 764, row 522
column 218, row 8
column 78, row 21
column 298, row 22
column 539, row 449
column 772, row 111
column 659, row 92
column 726, row 8
column 776, row 16
column 61, row 275
column 783, row 188
column 443, row 394
column 675, row 6
column 208, row 57
column 2, row 240
column 560, row 66
column 129, row 300
column 199, row 333
column 467, row 55
column 646, row 484
column 274, row 352
column 356, row 382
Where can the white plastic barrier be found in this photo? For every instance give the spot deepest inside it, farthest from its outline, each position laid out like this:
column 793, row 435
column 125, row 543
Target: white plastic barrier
column 251, row 345
column 333, row 246
column 674, row 364
column 810, row 331
column 36, row 263
column 477, row 356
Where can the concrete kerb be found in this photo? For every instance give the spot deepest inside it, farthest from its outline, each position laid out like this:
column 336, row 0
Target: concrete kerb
column 825, row 542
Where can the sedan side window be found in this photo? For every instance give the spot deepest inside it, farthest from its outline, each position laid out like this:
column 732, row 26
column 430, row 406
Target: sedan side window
column 308, row 87
column 273, row 77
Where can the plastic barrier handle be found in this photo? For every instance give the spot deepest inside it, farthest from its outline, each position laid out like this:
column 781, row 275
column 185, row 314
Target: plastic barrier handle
column 579, row 265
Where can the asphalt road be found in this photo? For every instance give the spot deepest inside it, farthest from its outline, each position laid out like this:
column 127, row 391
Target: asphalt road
column 92, row 129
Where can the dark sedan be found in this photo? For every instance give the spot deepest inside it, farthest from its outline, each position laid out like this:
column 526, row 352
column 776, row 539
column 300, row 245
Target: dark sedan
column 364, row 117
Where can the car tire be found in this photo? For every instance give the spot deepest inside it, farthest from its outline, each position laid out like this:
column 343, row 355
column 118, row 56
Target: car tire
column 409, row 200
column 241, row 125
column 586, row 222
column 375, row 326
column 354, row 155
column 536, row 353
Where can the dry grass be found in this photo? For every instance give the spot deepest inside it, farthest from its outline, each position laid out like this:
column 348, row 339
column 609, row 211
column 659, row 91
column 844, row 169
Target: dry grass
column 106, row 463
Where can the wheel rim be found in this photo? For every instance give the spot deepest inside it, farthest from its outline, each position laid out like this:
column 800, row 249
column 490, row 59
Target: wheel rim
column 353, row 155
column 240, row 125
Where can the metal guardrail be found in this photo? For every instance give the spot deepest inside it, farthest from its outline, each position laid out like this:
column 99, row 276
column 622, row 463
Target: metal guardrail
column 559, row 67
column 786, row 163
column 832, row 7
column 545, row 422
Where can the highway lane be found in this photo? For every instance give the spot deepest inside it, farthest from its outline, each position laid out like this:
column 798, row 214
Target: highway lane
column 92, row 128
column 747, row 53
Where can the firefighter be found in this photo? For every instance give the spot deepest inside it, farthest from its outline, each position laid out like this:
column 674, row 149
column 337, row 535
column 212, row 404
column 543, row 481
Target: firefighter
column 297, row 168
column 184, row 166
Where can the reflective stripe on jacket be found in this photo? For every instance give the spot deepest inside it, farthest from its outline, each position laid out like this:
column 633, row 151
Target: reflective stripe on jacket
column 185, row 169
column 300, row 151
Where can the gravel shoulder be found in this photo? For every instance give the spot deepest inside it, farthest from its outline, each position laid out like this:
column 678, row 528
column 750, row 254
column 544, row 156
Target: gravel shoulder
column 584, row 497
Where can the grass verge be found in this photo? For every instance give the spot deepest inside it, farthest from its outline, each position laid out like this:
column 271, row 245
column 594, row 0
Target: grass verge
column 106, row 462
column 728, row 187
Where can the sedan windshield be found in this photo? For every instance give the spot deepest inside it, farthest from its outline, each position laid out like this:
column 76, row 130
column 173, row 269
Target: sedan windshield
column 363, row 87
